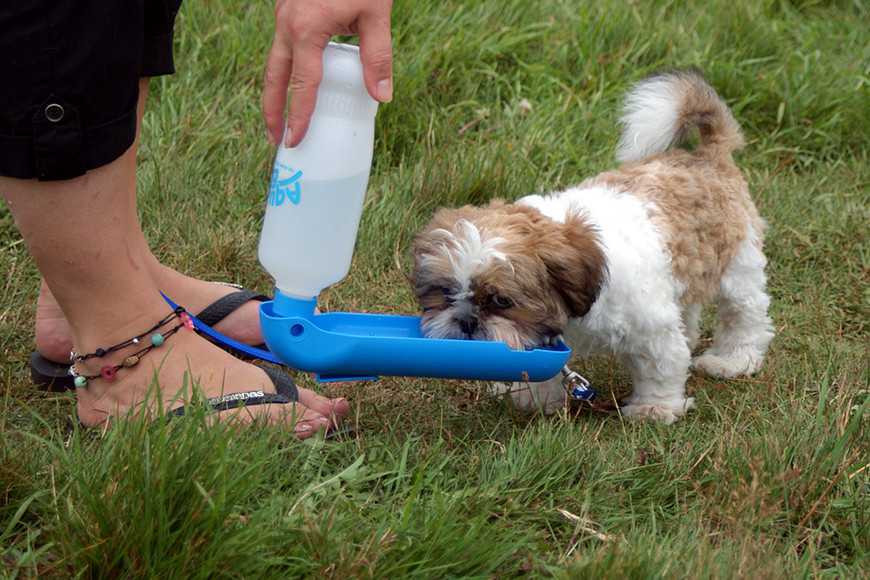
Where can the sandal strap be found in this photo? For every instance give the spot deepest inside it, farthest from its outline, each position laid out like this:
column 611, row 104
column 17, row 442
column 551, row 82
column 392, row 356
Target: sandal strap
column 284, row 385
column 223, row 307
column 236, row 400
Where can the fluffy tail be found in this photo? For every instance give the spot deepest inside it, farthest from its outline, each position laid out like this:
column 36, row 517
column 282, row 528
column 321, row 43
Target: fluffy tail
column 660, row 111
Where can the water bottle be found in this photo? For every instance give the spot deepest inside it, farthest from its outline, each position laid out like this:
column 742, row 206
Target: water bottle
column 317, row 188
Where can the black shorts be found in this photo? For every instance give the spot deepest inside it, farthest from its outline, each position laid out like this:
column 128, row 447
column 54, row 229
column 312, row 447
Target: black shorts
column 69, row 80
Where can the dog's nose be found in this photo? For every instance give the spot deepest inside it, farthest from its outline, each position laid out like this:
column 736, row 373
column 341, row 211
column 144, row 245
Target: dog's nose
column 468, row 324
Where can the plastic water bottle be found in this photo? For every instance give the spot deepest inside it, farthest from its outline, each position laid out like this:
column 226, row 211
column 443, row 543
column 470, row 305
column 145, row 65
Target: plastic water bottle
column 318, row 187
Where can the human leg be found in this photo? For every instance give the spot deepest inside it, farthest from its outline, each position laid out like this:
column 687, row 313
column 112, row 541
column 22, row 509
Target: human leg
column 97, row 272
column 53, row 335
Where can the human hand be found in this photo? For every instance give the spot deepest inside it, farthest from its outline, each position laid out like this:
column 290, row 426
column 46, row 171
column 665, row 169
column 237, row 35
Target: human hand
column 302, row 31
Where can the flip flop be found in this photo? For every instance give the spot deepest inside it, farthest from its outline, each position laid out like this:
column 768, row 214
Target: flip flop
column 215, row 312
column 285, row 393
column 53, row 376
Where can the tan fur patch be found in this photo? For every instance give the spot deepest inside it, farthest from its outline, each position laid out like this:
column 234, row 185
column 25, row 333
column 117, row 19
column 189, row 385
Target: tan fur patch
column 702, row 206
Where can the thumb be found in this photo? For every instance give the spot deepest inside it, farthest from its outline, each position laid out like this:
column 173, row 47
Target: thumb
column 376, row 53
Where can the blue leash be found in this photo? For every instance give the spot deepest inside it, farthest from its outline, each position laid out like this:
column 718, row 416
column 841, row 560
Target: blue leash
column 247, row 350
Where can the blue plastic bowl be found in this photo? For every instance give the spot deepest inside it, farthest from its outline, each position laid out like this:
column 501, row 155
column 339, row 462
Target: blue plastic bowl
column 343, row 346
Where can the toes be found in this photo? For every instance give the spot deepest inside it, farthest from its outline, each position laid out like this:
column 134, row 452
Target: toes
column 303, row 421
column 325, row 406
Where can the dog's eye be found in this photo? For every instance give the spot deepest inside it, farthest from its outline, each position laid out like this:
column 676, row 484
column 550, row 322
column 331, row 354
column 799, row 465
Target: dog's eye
column 447, row 293
column 500, row 301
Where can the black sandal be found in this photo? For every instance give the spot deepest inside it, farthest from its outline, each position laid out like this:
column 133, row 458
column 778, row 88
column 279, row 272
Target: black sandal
column 53, row 376
column 285, row 393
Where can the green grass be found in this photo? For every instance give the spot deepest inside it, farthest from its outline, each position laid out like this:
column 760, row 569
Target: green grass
column 768, row 478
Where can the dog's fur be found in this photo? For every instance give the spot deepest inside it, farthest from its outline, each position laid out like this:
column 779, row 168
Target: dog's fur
column 622, row 263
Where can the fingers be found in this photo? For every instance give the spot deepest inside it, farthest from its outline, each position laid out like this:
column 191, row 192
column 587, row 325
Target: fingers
column 278, row 67
column 376, row 52
column 296, row 58
column 304, row 80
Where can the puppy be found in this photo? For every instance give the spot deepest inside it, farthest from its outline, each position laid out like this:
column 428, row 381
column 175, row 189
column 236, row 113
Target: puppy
column 622, row 263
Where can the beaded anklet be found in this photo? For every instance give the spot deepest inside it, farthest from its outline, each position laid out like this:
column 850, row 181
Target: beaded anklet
column 101, row 352
column 156, row 339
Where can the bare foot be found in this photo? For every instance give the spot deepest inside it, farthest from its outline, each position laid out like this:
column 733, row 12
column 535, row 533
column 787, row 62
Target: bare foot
column 216, row 373
column 54, row 339
column 242, row 325
column 53, row 334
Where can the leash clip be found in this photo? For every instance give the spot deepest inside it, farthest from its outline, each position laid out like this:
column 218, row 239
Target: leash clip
column 577, row 386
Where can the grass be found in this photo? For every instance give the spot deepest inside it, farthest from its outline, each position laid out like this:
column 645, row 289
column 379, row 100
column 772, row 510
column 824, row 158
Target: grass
column 768, row 478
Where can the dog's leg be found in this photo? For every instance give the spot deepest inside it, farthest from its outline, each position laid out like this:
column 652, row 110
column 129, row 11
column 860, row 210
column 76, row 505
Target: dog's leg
column 659, row 369
column 547, row 397
column 744, row 330
column 692, row 324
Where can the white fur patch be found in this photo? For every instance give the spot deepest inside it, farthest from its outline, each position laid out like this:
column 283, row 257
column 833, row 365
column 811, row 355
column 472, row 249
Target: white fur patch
column 649, row 119
column 637, row 315
column 469, row 252
column 441, row 325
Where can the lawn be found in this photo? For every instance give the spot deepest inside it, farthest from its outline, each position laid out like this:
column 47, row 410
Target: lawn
column 769, row 477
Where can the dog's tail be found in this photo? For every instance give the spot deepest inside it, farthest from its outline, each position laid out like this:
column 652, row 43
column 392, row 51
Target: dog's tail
column 660, row 111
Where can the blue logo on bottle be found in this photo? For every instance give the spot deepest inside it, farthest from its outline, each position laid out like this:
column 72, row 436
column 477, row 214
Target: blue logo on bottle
column 285, row 185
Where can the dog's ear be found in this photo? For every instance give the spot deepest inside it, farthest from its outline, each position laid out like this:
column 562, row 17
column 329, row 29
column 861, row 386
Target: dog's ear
column 575, row 262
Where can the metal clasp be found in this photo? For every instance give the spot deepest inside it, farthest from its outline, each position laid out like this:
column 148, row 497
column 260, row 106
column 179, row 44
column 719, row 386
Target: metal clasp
column 577, row 386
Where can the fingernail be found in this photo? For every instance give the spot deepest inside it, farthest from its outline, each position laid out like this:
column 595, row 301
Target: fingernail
column 303, row 428
column 270, row 138
column 288, row 137
column 385, row 90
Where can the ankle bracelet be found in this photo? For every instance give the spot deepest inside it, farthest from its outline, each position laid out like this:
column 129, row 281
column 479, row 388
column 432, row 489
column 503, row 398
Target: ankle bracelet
column 109, row 372
column 156, row 339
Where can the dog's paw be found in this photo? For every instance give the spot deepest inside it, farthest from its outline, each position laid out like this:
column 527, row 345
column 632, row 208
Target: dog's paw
column 530, row 398
column 663, row 413
column 738, row 363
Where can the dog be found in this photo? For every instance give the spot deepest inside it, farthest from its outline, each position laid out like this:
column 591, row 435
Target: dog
column 622, row 263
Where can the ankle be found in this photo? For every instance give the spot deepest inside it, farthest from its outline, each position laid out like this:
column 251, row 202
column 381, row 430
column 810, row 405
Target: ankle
column 104, row 362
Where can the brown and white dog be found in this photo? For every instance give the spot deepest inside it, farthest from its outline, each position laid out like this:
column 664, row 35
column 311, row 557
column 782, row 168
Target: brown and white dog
column 621, row 263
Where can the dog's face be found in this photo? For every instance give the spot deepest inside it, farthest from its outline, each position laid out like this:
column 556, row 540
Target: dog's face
column 506, row 273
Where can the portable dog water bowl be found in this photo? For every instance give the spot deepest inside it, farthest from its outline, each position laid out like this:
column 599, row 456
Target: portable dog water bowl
column 344, row 346
column 309, row 228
